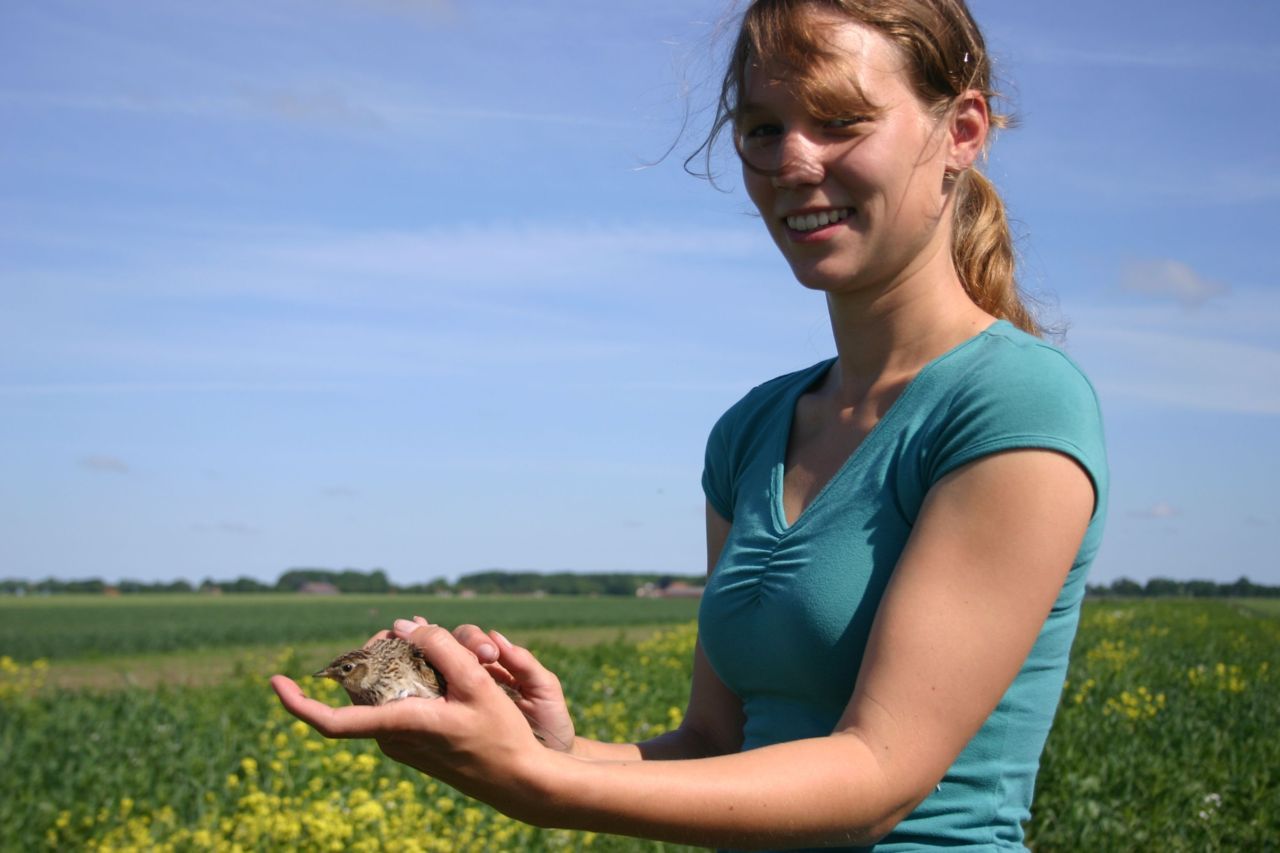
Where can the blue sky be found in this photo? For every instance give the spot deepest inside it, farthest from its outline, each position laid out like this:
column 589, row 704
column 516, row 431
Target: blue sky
column 408, row 283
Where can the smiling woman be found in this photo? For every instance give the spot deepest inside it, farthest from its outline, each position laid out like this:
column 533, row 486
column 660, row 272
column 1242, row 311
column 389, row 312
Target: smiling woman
column 897, row 537
column 845, row 82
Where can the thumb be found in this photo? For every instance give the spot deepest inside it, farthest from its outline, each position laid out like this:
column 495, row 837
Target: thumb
column 461, row 671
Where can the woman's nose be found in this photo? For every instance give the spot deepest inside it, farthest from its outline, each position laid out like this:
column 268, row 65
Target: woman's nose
column 799, row 161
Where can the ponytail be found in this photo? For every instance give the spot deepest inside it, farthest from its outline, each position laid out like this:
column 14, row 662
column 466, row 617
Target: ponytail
column 982, row 251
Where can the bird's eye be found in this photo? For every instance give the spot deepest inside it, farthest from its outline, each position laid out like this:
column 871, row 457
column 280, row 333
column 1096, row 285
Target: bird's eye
column 347, row 667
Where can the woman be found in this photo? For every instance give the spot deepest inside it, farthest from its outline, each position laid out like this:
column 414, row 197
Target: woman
column 897, row 537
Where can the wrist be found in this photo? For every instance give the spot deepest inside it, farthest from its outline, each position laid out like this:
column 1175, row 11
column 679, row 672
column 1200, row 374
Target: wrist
column 545, row 785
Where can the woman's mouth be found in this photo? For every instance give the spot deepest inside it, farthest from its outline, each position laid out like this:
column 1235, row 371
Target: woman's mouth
column 806, row 222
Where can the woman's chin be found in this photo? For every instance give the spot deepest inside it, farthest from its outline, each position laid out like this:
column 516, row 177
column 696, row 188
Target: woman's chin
column 824, row 280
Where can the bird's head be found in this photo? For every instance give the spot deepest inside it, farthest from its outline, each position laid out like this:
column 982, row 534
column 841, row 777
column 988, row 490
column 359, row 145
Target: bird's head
column 349, row 670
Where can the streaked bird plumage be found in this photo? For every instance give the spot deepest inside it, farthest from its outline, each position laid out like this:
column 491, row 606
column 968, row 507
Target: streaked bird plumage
column 384, row 671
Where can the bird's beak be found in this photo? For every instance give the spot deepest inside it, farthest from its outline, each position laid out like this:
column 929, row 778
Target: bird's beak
column 324, row 673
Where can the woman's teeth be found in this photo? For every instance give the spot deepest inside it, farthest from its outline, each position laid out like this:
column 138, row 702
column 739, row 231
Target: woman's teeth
column 810, row 221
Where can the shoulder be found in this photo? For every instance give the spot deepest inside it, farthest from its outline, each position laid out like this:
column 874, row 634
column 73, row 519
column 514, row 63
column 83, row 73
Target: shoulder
column 1007, row 389
column 765, row 402
column 744, row 432
column 1004, row 353
column 1018, row 374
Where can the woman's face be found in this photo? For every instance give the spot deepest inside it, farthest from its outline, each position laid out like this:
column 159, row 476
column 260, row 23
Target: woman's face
column 857, row 202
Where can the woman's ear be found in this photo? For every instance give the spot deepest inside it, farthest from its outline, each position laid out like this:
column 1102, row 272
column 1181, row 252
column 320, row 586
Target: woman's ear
column 970, row 122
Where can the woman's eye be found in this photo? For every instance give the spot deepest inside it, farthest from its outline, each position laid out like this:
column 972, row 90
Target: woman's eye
column 761, row 131
column 845, row 123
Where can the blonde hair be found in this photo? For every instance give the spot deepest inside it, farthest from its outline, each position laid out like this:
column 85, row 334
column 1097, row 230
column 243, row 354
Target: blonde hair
column 946, row 57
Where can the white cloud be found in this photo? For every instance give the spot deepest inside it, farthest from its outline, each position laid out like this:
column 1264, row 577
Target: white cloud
column 1181, row 370
column 538, row 254
column 1157, row 511
column 1172, row 57
column 422, row 11
column 1170, row 279
column 35, row 389
column 339, row 492
column 322, row 105
column 105, row 464
column 323, row 267
column 228, row 528
column 330, row 103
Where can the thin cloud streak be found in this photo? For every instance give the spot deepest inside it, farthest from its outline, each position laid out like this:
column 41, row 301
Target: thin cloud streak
column 106, row 388
column 105, row 464
column 1240, row 58
column 432, row 12
column 322, row 267
column 310, row 105
column 1124, row 184
column 1183, row 371
column 1170, row 279
column 1159, row 512
column 229, row 528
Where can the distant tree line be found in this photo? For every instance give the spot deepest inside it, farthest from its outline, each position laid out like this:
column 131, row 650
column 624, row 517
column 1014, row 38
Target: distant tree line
column 494, row 582
column 347, row 580
column 1168, row 587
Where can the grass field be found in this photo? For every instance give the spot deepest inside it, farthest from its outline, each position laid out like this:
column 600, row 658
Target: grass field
column 1165, row 739
column 78, row 627
column 1259, row 606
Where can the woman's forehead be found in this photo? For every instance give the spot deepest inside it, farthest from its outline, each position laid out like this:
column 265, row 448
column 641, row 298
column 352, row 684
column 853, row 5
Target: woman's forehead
column 851, row 62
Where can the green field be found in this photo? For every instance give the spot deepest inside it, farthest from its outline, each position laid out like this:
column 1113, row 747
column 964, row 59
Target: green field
column 1165, row 740
column 70, row 627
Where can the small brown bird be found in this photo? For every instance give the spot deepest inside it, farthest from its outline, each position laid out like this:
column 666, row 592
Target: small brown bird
column 391, row 669
column 386, row 670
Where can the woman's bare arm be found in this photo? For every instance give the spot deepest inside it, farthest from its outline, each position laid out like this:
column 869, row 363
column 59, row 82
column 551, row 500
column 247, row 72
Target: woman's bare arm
column 971, row 591
column 987, row 558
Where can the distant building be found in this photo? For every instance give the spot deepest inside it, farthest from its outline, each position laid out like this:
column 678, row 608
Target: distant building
column 318, row 588
column 674, row 589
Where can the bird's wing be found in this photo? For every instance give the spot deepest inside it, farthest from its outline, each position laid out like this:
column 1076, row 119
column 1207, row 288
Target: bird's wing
column 430, row 677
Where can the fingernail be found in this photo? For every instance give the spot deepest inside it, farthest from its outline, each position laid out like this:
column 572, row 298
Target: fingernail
column 404, row 626
column 487, row 652
column 421, row 620
column 503, row 641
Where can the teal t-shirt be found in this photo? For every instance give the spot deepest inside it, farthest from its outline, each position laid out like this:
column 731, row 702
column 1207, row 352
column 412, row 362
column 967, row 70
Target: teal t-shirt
column 788, row 609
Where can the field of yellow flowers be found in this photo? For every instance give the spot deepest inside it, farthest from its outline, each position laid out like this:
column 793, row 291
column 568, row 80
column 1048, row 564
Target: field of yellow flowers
column 1165, row 740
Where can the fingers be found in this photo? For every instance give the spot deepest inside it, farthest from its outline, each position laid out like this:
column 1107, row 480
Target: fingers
column 455, row 662
column 354, row 721
column 521, row 663
column 477, row 641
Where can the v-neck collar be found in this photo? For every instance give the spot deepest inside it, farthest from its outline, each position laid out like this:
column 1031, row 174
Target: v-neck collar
column 815, row 375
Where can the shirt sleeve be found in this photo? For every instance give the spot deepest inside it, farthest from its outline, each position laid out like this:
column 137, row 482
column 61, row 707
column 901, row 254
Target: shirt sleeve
column 717, row 470
column 1035, row 398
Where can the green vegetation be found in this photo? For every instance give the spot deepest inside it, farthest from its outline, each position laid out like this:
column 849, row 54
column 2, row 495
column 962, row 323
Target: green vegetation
column 1165, row 740
column 1262, row 607
column 1171, row 588
column 495, row 582
column 67, row 627
column 1166, row 736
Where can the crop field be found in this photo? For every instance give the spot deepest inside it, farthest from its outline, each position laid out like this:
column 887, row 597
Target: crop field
column 1165, row 738
column 69, row 627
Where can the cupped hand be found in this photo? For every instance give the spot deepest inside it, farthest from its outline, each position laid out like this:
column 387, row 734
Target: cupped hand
column 541, row 697
column 473, row 738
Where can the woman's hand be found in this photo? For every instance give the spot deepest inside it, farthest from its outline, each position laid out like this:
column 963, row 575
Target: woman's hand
column 474, row 738
column 540, row 697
